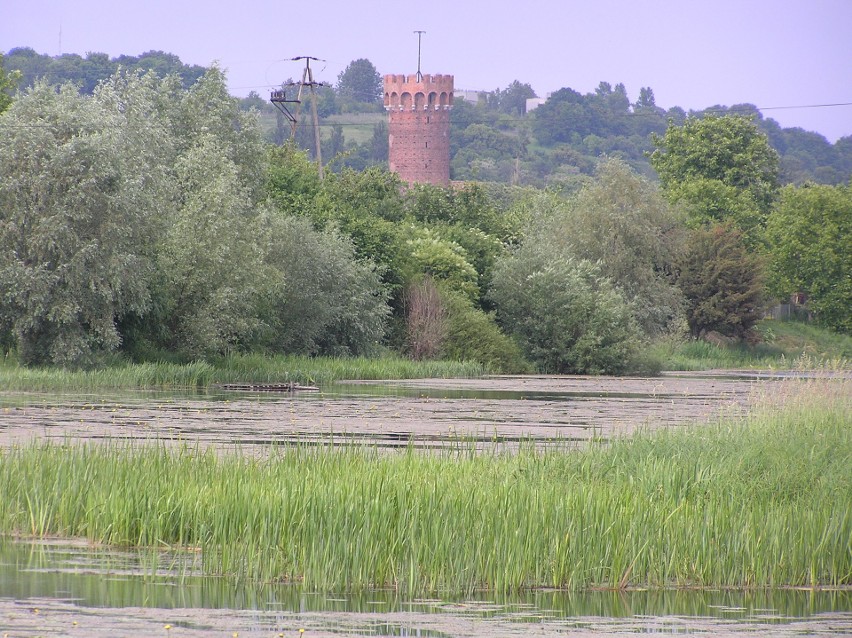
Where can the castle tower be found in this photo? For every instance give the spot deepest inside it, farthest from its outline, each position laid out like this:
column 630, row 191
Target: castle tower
column 419, row 127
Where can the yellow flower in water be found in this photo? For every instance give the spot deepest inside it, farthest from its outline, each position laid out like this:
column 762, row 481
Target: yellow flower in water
column 167, row 627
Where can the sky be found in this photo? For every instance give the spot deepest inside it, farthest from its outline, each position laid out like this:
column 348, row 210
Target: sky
column 780, row 55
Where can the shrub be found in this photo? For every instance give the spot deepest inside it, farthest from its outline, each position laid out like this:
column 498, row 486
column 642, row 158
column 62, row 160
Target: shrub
column 567, row 317
column 330, row 303
column 473, row 335
column 722, row 281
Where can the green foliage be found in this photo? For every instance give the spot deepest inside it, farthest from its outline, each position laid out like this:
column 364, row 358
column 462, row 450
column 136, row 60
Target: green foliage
column 8, row 83
column 292, row 180
column 720, row 169
column 473, row 335
column 209, row 263
column 328, row 303
column 540, row 148
column 442, row 260
column 513, row 99
column 206, row 109
column 360, row 82
column 810, row 239
column 723, row 282
column 80, row 193
column 567, row 317
column 620, row 222
column 87, row 72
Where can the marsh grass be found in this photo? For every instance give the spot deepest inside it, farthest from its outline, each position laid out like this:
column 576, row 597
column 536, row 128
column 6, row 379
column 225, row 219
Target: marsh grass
column 755, row 502
column 785, row 345
column 234, row 369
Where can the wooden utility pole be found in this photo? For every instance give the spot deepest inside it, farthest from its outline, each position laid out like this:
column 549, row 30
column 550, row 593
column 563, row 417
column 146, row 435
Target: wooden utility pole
column 280, row 101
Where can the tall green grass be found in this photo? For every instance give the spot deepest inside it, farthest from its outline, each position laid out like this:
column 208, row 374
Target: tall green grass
column 763, row 501
column 234, row 369
column 786, row 344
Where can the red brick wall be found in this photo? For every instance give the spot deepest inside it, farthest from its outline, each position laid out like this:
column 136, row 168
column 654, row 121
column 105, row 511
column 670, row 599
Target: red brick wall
column 419, row 127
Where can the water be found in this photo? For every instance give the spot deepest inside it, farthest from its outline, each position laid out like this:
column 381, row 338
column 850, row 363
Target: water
column 63, row 588
column 47, row 587
column 428, row 413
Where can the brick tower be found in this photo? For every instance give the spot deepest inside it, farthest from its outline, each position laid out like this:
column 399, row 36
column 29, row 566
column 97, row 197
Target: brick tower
column 419, row 127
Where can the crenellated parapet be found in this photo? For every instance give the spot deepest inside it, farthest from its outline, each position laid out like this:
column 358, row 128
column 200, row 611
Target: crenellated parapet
column 419, row 127
column 406, row 93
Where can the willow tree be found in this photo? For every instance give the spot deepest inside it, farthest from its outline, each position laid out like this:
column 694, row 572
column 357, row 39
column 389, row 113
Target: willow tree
column 80, row 196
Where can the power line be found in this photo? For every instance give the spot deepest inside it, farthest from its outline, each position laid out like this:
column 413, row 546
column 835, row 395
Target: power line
column 777, row 108
column 280, row 101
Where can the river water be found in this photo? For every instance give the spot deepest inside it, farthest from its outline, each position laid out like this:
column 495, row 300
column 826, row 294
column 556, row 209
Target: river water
column 68, row 588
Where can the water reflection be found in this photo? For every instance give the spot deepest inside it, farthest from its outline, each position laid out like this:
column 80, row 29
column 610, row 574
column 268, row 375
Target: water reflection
column 100, row 577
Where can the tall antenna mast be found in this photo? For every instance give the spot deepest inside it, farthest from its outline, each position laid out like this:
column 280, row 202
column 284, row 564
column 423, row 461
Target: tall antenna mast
column 419, row 74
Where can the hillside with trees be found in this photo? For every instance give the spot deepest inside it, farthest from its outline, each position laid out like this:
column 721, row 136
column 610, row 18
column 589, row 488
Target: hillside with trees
column 493, row 139
column 153, row 221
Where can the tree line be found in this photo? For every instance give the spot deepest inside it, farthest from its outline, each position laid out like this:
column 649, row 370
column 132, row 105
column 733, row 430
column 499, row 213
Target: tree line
column 494, row 138
column 152, row 221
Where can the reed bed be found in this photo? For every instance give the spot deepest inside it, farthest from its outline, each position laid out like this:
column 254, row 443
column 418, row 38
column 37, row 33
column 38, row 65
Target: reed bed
column 234, row 369
column 762, row 501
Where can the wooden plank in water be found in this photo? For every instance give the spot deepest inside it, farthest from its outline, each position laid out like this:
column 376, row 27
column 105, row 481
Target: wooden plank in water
column 269, row 387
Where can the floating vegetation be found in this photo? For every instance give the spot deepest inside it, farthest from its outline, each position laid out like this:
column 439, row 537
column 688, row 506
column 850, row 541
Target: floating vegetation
column 752, row 502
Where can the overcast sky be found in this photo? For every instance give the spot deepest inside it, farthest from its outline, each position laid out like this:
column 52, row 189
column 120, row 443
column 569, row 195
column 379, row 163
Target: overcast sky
column 693, row 54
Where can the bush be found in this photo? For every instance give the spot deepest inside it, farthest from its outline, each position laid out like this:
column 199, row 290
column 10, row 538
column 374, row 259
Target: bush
column 722, row 281
column 567, row 317
column 473, row 335
column 330, row 303
column 426, row 319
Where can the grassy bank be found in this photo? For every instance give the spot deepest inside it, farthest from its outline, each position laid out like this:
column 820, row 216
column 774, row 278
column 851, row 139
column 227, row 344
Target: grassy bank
column 235, row 369
column 786, row 344
column 764, row 501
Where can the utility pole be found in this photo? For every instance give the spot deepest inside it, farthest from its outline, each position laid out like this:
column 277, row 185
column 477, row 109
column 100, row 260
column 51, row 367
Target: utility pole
column 419, row 74
column 279, row 99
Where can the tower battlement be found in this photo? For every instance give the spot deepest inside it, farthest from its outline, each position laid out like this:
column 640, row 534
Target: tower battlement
column 419, row 126
column 405, row 92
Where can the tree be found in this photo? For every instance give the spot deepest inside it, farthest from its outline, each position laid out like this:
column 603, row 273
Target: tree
column 210, row 270
column 621, row 222
column 211, row 275
column 562, row 118
column 328, row 303
column 567, row 317
column 810, row 250
column 379, row 143
column 360, row 82
column 719, row 169
column 723, row 282
column 8, row 83
column 443, row 260
column 513, row 99
column 646, row 98
column 81, row 189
